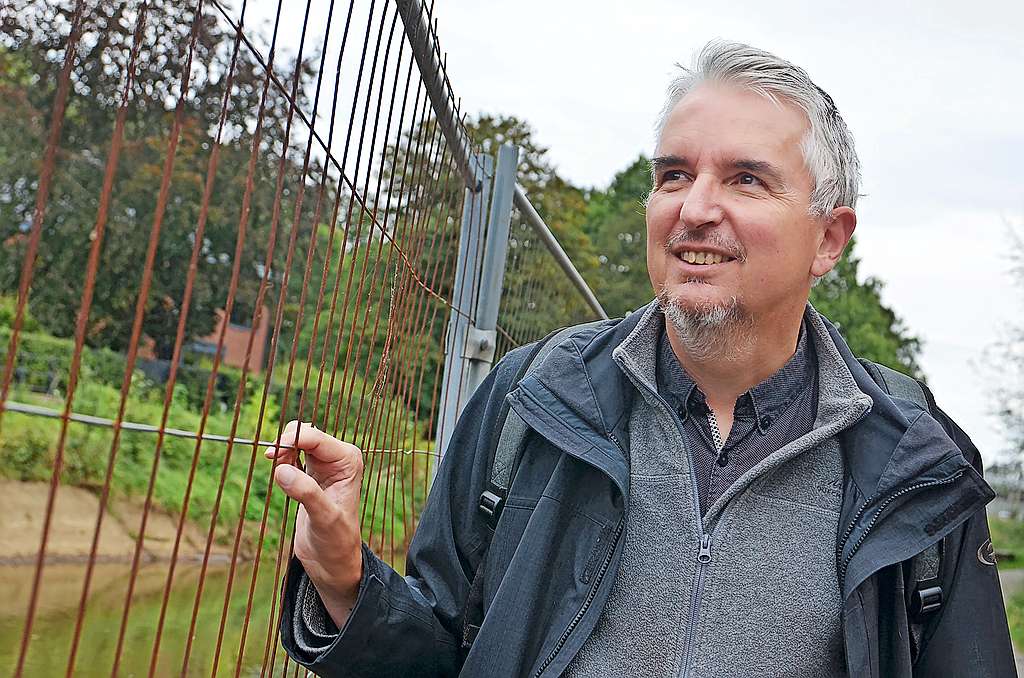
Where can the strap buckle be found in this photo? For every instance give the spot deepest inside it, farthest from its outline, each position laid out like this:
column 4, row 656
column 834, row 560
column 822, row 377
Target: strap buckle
column 926, row 600
column 491, row 505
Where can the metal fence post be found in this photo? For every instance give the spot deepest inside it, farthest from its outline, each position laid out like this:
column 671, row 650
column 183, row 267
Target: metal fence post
column 464, row 289
column 483, row 335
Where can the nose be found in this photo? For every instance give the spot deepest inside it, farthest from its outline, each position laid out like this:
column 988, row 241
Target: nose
column 701, row 205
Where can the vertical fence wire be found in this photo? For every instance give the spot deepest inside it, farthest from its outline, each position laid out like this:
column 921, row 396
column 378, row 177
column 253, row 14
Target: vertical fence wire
column 319, row 218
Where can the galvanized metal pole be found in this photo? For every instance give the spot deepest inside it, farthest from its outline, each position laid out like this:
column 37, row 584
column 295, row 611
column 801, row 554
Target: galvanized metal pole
column 483, row 335
column 464, row 289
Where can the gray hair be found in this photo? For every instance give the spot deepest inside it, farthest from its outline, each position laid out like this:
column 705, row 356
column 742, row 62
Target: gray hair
column 828, row 146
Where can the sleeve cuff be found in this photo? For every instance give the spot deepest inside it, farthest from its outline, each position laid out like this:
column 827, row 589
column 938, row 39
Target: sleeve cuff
column 312, row 626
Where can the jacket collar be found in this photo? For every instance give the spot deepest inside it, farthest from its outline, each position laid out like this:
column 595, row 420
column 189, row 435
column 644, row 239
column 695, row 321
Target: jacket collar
column 580, row 399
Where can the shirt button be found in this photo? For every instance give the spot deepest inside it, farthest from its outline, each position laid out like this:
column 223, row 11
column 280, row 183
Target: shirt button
column 766, row 421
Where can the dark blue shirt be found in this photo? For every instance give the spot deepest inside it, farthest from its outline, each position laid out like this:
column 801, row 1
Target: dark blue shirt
column 769, row 416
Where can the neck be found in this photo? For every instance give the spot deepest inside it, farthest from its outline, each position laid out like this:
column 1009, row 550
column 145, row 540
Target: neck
column 743, row 362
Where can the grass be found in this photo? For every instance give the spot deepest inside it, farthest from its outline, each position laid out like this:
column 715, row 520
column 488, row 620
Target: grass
column 1008, row 539
column 393, row 490
column 1015, row 617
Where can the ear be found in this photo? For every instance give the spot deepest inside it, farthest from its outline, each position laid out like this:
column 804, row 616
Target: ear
column 839, row 227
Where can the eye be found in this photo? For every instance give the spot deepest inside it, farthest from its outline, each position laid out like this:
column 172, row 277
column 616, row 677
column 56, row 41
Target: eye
column 746, row 179
column 673, row 175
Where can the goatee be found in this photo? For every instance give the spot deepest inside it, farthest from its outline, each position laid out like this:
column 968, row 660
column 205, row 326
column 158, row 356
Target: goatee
column 709, row 330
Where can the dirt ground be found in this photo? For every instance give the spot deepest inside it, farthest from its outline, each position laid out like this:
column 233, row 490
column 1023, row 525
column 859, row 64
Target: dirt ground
column 23, row 507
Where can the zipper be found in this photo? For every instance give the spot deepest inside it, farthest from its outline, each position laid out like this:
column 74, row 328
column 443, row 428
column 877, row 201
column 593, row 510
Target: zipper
column 845, row 562
column 704, row 554
column 703, row 558
column 586, row 603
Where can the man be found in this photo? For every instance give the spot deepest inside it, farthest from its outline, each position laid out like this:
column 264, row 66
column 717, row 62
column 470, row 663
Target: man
column 711, row 486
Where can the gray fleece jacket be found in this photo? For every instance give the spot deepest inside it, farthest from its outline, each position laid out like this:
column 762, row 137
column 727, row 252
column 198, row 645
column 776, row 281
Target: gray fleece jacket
column 762, row 596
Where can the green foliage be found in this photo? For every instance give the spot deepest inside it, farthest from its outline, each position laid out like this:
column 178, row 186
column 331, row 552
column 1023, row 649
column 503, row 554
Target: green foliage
column 8, row 311
column 29, row 444
column 29, row 447
column 43, row 361
column 1008, row 540
column 871, row 328
column 1015, row 617
column 618, row 228
column 32, row 47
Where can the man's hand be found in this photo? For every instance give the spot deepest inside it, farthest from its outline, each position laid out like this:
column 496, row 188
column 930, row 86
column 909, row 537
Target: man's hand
column 327, row 537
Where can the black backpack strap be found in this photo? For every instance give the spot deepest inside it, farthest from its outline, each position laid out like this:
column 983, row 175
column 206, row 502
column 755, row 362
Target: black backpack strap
column 927, row 596
column 505, row 452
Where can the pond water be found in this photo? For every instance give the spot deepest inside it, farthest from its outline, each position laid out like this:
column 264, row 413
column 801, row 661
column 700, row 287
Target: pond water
column 57, row 611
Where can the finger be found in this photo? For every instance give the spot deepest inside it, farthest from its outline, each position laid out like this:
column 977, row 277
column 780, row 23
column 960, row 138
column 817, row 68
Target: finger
column 322, row 446
column 281, row 450
column 284, row 447
column 307, row 492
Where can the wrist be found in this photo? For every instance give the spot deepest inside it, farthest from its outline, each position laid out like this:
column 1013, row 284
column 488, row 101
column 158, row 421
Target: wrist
column 340, row 591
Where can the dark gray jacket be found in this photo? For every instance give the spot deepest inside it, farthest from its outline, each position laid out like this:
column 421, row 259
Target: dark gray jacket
column 910, row 481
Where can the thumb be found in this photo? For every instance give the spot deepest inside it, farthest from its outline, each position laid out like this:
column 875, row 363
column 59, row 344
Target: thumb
column 303, row 489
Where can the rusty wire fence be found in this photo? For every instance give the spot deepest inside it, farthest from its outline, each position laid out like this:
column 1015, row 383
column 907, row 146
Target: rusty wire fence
column 217, row 218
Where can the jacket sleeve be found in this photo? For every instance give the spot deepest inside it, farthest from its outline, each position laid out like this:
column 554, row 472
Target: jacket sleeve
column 411, row 625
column 970, row 638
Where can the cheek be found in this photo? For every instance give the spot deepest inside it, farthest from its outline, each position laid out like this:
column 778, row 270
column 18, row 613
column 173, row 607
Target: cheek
column 661, row 219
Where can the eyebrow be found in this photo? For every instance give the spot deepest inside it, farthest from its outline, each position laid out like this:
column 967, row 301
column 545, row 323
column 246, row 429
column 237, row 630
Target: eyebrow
column 663, row 161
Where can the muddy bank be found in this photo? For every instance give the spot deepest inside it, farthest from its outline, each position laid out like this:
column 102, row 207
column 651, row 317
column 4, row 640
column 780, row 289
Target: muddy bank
column 23, row 507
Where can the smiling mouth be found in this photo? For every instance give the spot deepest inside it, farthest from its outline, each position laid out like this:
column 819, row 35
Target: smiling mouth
column 703, row 258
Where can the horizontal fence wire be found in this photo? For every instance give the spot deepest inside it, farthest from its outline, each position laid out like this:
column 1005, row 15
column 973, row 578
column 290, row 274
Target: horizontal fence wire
column 217, row 218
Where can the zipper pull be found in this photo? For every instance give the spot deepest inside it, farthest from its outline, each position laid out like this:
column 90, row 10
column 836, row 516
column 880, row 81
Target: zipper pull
column 705, row 549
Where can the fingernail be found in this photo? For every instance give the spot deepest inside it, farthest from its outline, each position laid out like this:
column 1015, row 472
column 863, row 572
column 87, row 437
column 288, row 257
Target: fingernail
column 285, row 474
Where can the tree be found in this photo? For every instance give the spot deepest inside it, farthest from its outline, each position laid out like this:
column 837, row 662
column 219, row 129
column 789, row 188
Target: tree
column 872, row 329
column 32, row 46
column 1007, row 357
column 617, row 226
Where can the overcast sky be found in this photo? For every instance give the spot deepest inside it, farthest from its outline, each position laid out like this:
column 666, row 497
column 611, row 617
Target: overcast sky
column 931, row 90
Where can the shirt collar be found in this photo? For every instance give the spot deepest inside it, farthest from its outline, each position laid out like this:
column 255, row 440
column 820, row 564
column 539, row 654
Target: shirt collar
column 764, row 402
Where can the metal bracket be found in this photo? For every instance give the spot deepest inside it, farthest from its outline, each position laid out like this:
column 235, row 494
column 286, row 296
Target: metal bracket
column 480, row 344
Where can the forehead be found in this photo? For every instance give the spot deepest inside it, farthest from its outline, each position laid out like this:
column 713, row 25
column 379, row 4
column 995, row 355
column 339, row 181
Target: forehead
column 727, row 120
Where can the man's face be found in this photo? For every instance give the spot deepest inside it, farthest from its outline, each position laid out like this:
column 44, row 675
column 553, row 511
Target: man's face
column 731, row 188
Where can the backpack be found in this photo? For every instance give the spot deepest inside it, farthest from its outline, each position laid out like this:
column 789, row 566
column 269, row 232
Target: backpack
column 507, row 446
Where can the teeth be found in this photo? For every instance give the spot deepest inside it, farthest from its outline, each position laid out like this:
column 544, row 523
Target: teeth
column 701, row 257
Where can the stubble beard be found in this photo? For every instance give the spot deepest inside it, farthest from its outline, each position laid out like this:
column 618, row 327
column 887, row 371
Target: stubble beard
column 709, row 330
